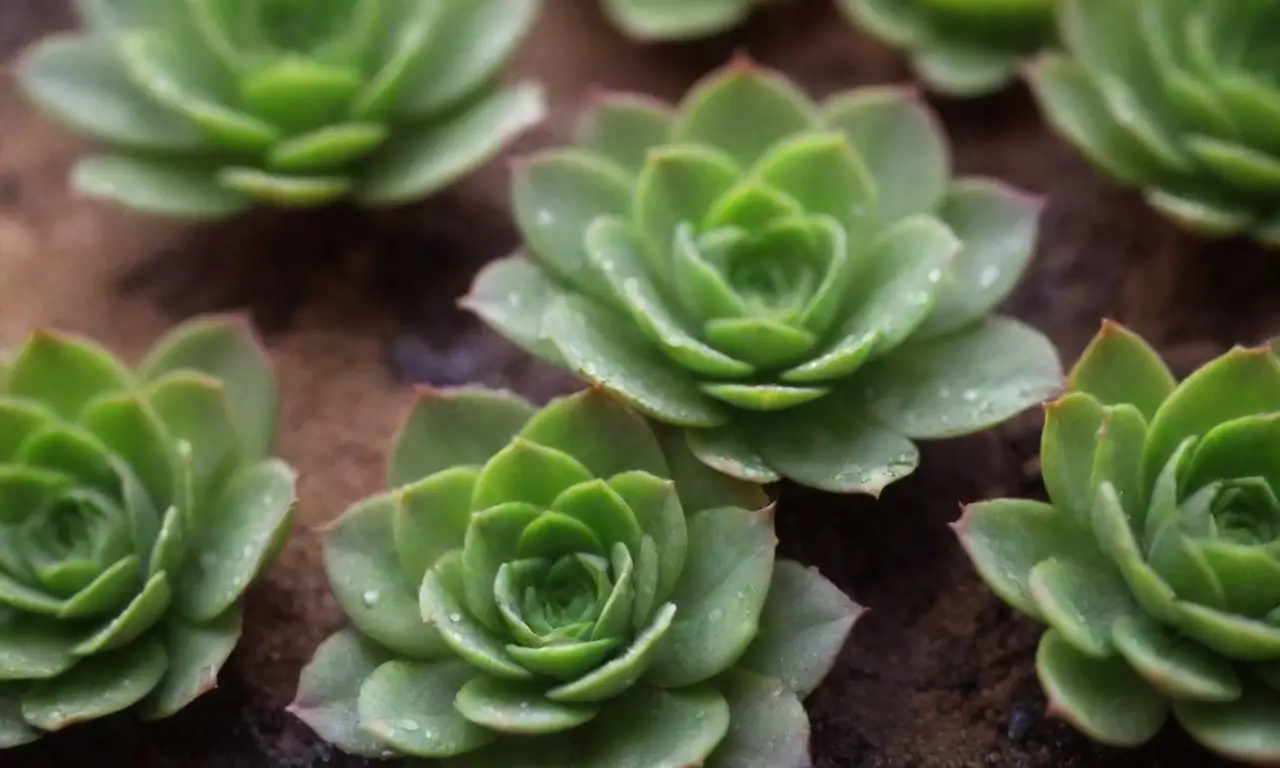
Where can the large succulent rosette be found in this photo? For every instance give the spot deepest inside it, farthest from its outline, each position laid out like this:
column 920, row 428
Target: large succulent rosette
column 803, row 287
column 1177, row 98
column 567, row 589
column 135, row 509
column 960, row 48
column 1156, row 561
column 205, row 108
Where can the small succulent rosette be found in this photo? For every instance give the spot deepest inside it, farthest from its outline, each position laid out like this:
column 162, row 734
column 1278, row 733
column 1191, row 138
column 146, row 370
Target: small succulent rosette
column 206, row 108
column 1177, row 98
column 565, row 588
column 803, row 287
column 135, row 509
column 959, row 48
column 1156, row 561
column 672, row 20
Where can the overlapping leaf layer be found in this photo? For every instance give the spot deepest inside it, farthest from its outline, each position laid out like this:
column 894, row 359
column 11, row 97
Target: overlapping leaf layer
column 1156, row 563
column 566, row 588
column 135, row 509
column 207, row 107
column 960, row 47
column 653, row 20
column 1178, row 98
column 802, row 286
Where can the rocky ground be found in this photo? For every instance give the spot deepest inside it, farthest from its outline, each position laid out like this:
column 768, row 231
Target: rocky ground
column 938, row 674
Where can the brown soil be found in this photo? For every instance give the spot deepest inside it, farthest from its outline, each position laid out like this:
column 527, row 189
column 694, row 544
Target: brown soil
column 937, row 675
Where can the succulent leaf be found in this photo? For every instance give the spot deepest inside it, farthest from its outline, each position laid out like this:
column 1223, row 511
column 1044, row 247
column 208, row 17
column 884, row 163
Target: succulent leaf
column 1154, row 561
column 206, row 108
column 748, row 254
column 959, row 47
column 587, row 569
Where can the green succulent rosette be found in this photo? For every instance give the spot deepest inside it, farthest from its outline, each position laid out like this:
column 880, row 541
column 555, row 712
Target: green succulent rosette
column 1176, row 98
column 961, row 48
column 1156, row 561
column 803, row 287
column 206, row 108
column 665, row 20
column 565, row 588
column 136, row 507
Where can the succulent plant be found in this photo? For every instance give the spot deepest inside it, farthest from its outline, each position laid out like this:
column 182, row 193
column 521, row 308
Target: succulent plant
column 803, row 287
column 960, row 48
column 1176, row 98
column 566, row 586
column 1156, row 561
column 135, row 509
column 209, row 107
column 655, row 20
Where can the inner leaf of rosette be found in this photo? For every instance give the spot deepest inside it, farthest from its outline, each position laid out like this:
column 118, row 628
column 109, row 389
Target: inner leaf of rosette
column 1216, row 537
column 760, row 279
column 75, row 527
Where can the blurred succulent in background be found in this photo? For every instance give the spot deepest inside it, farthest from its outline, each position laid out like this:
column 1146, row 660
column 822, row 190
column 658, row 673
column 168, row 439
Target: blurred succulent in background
column 135, row 509
column 656, row 20
column 208, row 107
column 1156, row 563
column 803, row 286
column 566, row 587
column 960, row 48
column 1177, row 98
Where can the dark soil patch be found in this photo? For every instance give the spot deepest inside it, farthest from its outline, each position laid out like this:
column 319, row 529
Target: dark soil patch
column 939, row 673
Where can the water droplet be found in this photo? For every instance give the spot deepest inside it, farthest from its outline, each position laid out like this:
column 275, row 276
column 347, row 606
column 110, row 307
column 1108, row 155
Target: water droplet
column 944, row 392
column 970, row 395
column 370, row 597
column 545, row 217
column 408, row 725
column 935, row 275
column 455, row 617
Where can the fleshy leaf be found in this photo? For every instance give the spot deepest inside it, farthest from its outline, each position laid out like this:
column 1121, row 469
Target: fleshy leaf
column 624, row 127
column 1178, row 667
column 1103, row 698
column 227, row 349
column 1119, row 367
column 196, row 653
column 1081, row 604
column 14, row 729
column 139, row 616
column 409, row 707
column 833, row 445
column 161, row 188
column 329, row 689
column 901, row 143
column 596, row 344
column 1243, row 729
column 1006, row 538
column 365, row 575
column 452, row 428
column 237, row 536
column 803, row 627
column 64, row 373
column 720, row 595
column 965, row 381
column 510, row 707
column 600, row 432
column 1252, row 376
column 412, row 166
column 768, row 726
column 431, row 518
column 743, row 110
column 998, row 227
column 98, row 686
column 662, row 727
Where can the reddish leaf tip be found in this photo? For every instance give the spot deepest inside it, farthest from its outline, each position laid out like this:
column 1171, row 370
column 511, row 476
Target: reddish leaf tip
column 741, row 62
